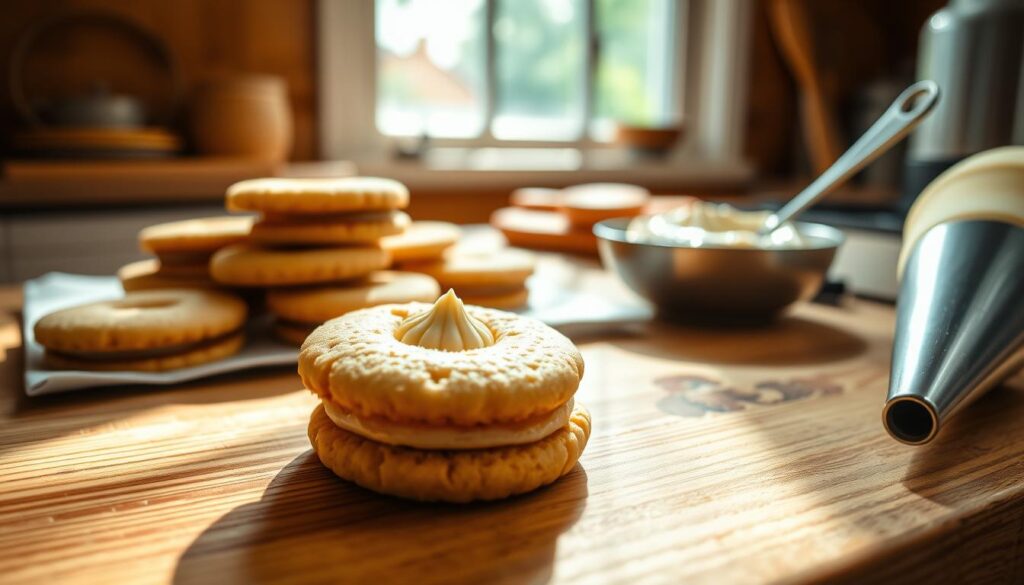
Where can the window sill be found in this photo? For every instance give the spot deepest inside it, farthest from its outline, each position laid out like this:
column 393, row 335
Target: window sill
column 504, row 169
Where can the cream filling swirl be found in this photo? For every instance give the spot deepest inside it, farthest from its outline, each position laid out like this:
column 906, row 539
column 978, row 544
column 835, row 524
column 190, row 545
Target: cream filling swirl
column 445, row 326
column 423, row 436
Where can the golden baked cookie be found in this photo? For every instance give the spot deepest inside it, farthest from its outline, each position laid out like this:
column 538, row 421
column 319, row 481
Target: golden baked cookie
column 507, row 267
column 245, row 265
column 357, row 362
column 587, row 204
column 423, row 240
column 451, row 476
column 318, row 304
column 201, row 235
column 510, row 299
column 147, row 275
column 142, row 320
column 291, row 333
column 351, row 228
column 146, row 330
column 294, row 196
column 202, row 353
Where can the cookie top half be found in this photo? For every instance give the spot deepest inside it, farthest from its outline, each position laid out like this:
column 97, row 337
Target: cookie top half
column 142, row 320
column 317, row 195
column 518, row 367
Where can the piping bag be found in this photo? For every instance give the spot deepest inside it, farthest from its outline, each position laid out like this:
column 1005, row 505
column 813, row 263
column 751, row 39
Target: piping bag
column 960, row 313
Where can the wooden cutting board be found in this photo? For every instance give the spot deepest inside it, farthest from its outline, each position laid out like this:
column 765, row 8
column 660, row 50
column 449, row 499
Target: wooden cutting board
column 718, row 456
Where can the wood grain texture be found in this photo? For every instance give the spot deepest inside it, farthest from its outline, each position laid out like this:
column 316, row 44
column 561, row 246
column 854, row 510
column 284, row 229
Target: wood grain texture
column 728, row 456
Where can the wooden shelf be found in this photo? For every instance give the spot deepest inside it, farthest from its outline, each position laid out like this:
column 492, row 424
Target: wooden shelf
column 32, row 184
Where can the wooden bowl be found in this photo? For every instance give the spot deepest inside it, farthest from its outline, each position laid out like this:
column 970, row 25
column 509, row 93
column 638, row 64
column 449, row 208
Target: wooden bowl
column 650, row 139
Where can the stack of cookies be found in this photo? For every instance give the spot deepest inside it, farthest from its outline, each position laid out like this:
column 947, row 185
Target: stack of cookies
column 319, row 247
column 444, row 402
column 183, row 250
column 495, row 279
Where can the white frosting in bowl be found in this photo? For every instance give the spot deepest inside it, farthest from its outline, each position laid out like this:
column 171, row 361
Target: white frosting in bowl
column 712, row 225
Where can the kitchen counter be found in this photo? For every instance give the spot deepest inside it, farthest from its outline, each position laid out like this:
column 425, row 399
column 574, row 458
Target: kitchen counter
column 718, row 456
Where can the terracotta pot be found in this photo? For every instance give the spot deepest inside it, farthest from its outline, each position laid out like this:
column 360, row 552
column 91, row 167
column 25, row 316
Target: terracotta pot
column 243, row 116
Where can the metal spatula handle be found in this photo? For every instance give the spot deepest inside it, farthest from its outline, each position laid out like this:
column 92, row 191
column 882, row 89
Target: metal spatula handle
column 896, row 122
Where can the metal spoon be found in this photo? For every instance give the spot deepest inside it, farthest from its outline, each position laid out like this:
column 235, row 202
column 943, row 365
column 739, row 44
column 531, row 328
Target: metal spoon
column 896, row 122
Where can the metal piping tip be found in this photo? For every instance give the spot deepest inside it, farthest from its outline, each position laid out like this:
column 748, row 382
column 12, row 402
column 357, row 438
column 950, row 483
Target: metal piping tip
column 959, row 324
column 910, row 420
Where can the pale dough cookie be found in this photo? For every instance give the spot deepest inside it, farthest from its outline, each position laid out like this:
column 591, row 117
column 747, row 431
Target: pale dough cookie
column 201, row 235
column 280, row 195
column 451, row 476
column 357, row 362
column 146, row 275
column 351, row 228
column 424, row 240
column 292, row 333
column 143, row 320
column 244, row 265
column 318, row 304
column 507, row 267
column 187, row 357
column 585, row 205
column 512, row 299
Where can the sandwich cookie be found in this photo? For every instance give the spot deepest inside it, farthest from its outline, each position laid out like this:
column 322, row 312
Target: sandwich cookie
column 144, row 331
column 300, row 310
column 423, row 240
column 444, row 402
column 245, row 265
column 492, row 279
column 348, row 228
column 314, row 196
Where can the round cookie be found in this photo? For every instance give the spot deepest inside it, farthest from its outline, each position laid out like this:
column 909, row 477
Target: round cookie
column 244, row 265
column 357, row 362
column 451, row 476
column 539, row 198
column 352, row 228
column 201, row 235
column 145, row 320
column 423, row 240
column 300, row 196
column 316, row 305
column 147, row 275
column 585, row 205
column 513, row 299
column 205, row 353
column 506, row 267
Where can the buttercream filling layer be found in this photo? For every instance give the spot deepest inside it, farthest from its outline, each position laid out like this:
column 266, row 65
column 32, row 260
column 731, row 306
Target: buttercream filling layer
column 423, row 436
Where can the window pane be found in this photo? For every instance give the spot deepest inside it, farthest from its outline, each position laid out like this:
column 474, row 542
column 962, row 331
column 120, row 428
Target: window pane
column 540, row 69
column 634, row 78
column 431, row 63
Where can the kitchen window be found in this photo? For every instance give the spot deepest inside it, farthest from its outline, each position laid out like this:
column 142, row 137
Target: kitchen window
column 550, row 77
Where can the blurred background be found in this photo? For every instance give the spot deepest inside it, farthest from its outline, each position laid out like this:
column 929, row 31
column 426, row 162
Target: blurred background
column 117, row 115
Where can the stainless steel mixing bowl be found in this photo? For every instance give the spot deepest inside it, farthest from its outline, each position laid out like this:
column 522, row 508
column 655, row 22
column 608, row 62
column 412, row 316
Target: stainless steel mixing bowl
column 719, row 284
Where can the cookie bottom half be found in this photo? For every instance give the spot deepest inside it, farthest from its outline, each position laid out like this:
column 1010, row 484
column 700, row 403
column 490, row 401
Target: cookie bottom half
column 449, row 476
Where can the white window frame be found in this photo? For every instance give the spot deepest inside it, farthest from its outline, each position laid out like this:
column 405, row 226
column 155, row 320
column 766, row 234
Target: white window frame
column 710, row 98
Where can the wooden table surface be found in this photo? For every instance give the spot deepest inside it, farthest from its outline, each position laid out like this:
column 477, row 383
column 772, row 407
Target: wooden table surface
column 730, row 456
